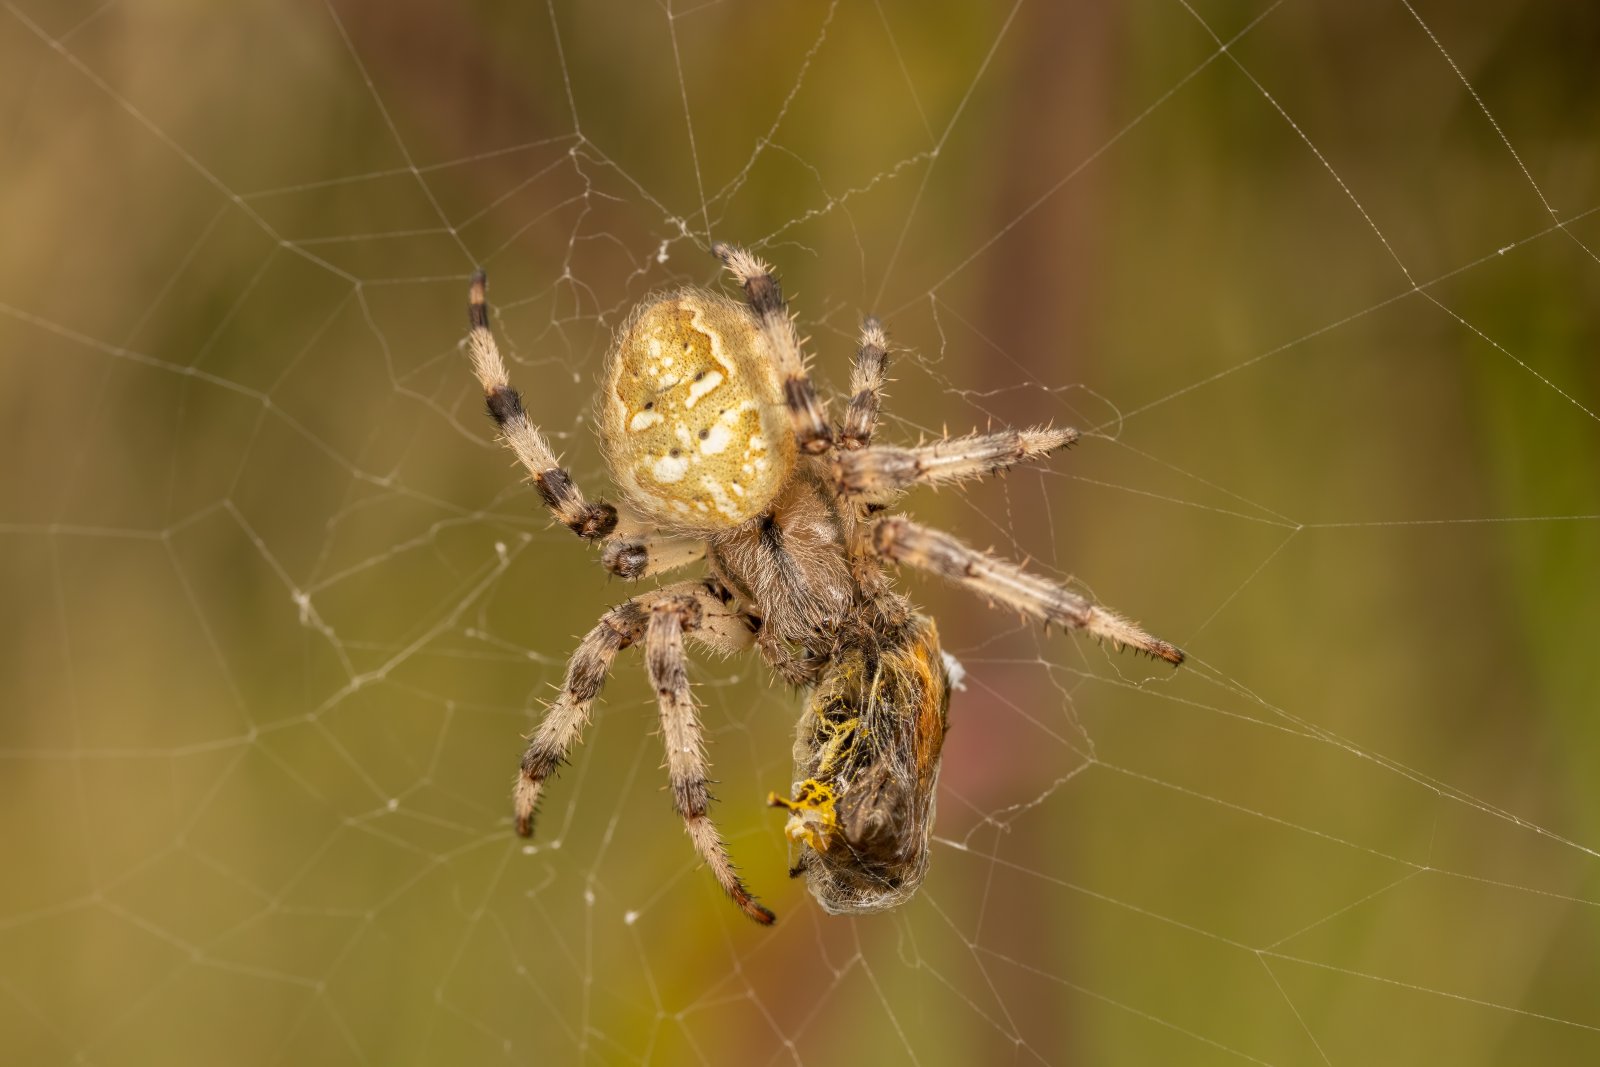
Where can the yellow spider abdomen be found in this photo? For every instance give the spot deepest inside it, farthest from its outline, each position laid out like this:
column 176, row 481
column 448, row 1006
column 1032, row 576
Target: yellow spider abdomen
column 693, row 416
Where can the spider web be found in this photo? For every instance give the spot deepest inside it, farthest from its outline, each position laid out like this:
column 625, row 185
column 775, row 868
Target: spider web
column 1317, row 281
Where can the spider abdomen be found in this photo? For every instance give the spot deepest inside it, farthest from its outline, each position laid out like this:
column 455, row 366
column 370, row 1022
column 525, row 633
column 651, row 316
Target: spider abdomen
column 692, row 414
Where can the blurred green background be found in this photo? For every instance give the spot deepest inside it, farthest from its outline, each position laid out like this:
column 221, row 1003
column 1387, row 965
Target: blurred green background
column 278, row 609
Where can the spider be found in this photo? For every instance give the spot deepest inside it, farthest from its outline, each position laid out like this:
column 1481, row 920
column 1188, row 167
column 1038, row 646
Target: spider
column 723, row 453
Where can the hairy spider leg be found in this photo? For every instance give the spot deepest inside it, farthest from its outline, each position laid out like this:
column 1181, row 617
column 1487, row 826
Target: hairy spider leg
column 1004, row 582
column 866, row 386
column 632, row 558
column 889, row 468
column 561, row 494
column 765, row 297
column 659, row 619
column 681, row 733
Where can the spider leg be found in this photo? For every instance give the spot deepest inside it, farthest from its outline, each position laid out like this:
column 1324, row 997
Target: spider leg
column 866, row 386
column 1004, row 582
column 561, row 495
column 564, row 720
column 888, row 468
column 721, row 627
column 670, row 618
column 640, row 557
column 765, row 297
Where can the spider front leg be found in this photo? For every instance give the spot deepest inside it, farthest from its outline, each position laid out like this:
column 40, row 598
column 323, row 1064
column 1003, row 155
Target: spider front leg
column 887, row 468
column 1002, row 581
column 670, row 619
column 561, row 495
column 866, row 386
column 765, row 297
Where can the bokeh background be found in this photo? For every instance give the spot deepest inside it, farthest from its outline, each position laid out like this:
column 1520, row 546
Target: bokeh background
column 1319, row 281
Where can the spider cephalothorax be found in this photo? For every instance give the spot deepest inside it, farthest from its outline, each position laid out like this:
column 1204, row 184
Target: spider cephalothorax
column 724, row 453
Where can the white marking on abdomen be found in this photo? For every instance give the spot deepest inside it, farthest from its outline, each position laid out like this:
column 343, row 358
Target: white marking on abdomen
column 716, row 441
column 708, row 382
column 669, row 469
